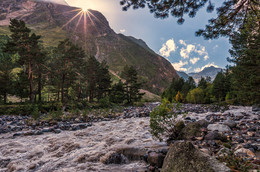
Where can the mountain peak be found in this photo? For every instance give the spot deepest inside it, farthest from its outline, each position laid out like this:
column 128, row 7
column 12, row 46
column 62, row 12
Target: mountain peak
column 91, row 31
column 210, row 71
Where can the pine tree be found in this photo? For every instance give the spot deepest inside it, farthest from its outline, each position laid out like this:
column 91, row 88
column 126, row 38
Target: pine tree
column 92, row 73
column 132, row 85
column 27, row 46
column 219, row 89
column 202, row 83
column 117, row 93
column 6, row 75
column 245, row 54
column 104, row 80
column 69, row 60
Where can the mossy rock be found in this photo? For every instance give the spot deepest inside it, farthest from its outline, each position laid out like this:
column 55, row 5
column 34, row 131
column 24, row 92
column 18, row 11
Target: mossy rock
column 190, row 130
column 183, row 156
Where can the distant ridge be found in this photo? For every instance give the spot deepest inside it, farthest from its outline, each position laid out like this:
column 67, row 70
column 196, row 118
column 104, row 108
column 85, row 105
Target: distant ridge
column 183, row 75
column 207, row 72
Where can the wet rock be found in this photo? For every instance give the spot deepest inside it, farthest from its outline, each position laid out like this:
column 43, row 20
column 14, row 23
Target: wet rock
column 46, row 130
column 38, row 132
column 17, row 134
column 163, row 151
column 28, row 133
column 75, row 128
column 4, row 163
column 114, row 158
column 132, row 153
column 183, row 156
column 155, row 159
column 218, row 127
column 203, row 123
column 256, row 108
column 57, row 131
column 212, row 136
column 83, row 126
column 230, row 123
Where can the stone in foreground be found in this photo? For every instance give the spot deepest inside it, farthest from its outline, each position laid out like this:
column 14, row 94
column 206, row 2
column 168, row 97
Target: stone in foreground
column 183, row 156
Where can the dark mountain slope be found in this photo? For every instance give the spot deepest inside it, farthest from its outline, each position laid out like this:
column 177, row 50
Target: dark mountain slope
column 90, row 30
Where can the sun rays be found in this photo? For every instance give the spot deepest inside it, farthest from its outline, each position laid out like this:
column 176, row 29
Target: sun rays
column 81, row 13
column 82, row 18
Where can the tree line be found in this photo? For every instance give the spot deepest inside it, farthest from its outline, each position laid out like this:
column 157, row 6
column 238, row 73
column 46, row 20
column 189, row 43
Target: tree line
column 63, row 73
column 238, row 84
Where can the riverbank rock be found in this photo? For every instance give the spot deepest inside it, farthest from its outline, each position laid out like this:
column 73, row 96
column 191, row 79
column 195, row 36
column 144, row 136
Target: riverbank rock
column 256, row 108
column 155, row 159
column 113, row 158
column 230, row 123
column 183, row 156
column 4, row 162
column 219, row 127
column 191, row 130
column 132, row 153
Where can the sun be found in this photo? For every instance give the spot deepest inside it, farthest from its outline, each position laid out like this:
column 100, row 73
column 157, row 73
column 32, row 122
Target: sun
column 84, row 9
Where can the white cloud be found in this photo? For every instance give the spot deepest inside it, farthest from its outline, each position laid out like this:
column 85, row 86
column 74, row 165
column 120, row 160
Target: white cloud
column 167, row 48
column 206, row 57
column 182, row 42
column 203, row 67
column 122, row 30
column 201, row 50
column 189, row 48
column 179, row 66
column 197, row 70
column 194, row 60
column 185, row 52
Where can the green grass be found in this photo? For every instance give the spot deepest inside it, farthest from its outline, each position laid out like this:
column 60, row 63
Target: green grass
column 50, row 36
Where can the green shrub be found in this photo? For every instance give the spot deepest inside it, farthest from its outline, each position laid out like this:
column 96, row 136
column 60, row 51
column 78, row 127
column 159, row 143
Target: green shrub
column 104, row 102
column 56, row 115
column 163, row 120
column 35, row 112
column 196, row 96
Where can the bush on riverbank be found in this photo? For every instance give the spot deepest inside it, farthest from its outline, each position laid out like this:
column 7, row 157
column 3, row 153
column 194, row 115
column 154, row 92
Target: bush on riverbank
column 163, row 120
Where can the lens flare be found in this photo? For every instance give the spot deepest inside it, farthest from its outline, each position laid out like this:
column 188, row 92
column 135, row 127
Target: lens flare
column 84, row 9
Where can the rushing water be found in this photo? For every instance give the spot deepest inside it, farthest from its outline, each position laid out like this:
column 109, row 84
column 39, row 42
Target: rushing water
column 83, row 150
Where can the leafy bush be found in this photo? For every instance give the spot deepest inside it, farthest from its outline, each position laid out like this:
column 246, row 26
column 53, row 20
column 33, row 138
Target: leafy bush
column 35, row 112
column 196, row 96
column 56, row 115
column 163, row 120
column 104, row 102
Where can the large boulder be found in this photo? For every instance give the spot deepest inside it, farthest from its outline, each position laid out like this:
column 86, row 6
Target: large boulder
column 219, row 127
column 183, row 156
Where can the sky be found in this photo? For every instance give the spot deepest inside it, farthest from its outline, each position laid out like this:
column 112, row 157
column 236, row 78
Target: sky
column 177, row 43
